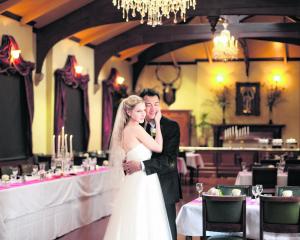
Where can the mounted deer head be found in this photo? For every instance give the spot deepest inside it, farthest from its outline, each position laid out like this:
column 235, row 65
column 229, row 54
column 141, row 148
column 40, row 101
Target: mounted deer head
column 169, row 91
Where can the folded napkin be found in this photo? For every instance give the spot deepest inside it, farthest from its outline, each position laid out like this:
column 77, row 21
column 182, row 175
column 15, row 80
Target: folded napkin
column 236, row 192
column 215, row 192
column 287, row 193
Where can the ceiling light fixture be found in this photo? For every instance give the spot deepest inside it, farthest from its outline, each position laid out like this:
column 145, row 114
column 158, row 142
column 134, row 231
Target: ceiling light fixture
column 225, row 46
column 154, row 10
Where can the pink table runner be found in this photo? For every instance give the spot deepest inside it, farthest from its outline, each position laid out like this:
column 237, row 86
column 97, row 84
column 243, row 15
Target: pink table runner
column 13, row 185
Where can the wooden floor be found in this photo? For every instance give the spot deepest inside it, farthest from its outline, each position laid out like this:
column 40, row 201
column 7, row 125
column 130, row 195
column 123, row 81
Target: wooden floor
column 96, row 230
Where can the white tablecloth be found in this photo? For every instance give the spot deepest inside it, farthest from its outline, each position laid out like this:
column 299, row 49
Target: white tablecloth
column 51, row 209
column 182, row 169
column 189, row 222
column 245, row 178
column 194, row 159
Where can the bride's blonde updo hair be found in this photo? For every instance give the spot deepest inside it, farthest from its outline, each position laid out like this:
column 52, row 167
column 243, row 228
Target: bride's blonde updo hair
column 122, row 116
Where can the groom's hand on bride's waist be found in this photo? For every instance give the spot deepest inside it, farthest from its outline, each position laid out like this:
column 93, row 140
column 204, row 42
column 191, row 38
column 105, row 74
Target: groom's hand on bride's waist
column 132, row 167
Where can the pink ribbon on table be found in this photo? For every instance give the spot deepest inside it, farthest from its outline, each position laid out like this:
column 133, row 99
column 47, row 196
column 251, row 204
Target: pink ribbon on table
column 250, row 201
column 13, row 185
column 196, row 201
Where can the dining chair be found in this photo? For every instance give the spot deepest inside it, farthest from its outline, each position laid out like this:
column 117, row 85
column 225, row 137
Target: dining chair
column 291, row 163
column 273, row 162
column 279, row 215
column 224, row 214
column 266, row 176
column 293, row 176
column 294, row 189
column 26, row 169
column 227, row 189
column 6, row 170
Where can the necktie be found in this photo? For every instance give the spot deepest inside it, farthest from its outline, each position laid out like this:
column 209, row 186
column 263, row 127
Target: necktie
column 148, row 128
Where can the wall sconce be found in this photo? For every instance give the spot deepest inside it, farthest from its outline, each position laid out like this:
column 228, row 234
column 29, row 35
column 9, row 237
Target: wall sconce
column 15, row 54
column 78, row 69
column 220, row 79
column 120, row 80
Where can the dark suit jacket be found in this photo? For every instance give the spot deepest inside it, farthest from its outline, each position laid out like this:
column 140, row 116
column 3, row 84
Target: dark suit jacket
column 165, row 163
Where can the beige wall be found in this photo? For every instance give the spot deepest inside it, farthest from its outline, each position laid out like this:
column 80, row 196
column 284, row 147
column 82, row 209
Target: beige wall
column 198, row 84
column 42, row 128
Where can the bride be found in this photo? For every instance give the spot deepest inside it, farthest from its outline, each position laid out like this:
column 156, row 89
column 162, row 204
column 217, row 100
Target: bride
column 139, row 210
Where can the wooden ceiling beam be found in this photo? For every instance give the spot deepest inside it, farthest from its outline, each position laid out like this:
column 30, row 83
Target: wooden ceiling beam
column 101, row 12
column 103, row 35
column 8, row 4
column 154, row 52
column 142, row 35
column 42, row 9
column 243, row 44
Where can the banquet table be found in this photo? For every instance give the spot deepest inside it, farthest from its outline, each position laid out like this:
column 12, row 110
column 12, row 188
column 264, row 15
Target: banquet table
column 181, row 165
column 245, row 178
column 47, row 209
column 189, row 222
column 194, row 160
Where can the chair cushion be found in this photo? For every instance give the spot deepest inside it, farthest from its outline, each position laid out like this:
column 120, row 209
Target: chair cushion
column 225, row 238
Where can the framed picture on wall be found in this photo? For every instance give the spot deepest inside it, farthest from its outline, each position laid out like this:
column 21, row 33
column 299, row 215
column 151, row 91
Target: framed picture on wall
column 248, row 98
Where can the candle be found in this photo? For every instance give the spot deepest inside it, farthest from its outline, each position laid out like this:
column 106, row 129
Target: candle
column 66, row 143
column 62, row 137
column 53, row 146
column 71, row 145
column 58, row 145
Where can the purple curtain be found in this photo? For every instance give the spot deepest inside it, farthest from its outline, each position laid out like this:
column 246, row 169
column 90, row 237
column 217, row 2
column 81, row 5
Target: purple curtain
column 24, row 69
column 107, row 108
column 112, row 94
column 67, row 77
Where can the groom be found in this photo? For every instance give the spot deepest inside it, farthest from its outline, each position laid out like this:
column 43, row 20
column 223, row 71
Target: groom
column 164, row 163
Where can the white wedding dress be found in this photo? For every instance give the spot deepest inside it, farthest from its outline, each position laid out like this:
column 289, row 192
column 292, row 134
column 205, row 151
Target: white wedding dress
column 139, row 211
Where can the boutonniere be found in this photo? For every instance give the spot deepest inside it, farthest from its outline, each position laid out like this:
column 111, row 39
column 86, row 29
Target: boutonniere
column 153, row 132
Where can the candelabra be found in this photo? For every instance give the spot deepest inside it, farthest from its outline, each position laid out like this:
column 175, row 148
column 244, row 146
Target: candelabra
column 63, row 156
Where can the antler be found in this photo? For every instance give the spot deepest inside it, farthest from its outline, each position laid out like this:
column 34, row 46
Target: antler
column 178, row 69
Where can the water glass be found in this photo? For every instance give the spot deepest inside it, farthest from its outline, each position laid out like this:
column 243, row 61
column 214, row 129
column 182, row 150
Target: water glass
column 35, row 170
column 259, row 189
column 199, row 188
column 254, row 191
column 15, row 171
column 244, row 166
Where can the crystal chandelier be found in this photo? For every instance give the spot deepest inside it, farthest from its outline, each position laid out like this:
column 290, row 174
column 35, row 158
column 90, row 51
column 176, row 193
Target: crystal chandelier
column 154, row 10
column 225, row 46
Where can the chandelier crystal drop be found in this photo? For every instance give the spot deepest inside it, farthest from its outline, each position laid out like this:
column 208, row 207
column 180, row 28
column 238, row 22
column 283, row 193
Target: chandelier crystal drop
column 225, row 46
column 154, row 10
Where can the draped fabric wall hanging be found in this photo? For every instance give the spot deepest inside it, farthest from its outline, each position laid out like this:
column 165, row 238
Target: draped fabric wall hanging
column 112, row 93
column 19, row 66
column 67, row 77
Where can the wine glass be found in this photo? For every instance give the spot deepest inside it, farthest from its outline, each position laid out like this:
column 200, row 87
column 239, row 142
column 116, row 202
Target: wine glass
column 199, row 188
column 254, row 191
column 260, row 189
column 14, row 175
column 244, row 166
column 35, row 169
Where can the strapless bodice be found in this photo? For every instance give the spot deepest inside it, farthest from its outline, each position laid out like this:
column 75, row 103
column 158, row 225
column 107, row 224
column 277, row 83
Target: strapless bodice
column 139, row 153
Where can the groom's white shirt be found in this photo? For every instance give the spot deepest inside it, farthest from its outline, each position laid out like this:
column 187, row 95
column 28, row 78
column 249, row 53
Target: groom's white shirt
column 152, row 124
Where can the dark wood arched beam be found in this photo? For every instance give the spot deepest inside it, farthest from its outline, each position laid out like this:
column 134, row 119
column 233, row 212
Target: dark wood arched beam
column 282, row 40
column 154, row 52
column 245, row 7
column 243, row 44
column 96, row 13
column 101, row 12
column 142, row 35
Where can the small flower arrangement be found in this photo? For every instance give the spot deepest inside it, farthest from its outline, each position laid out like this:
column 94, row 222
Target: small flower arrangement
column 274, row 96
column 222, row 97
column 5, row 178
